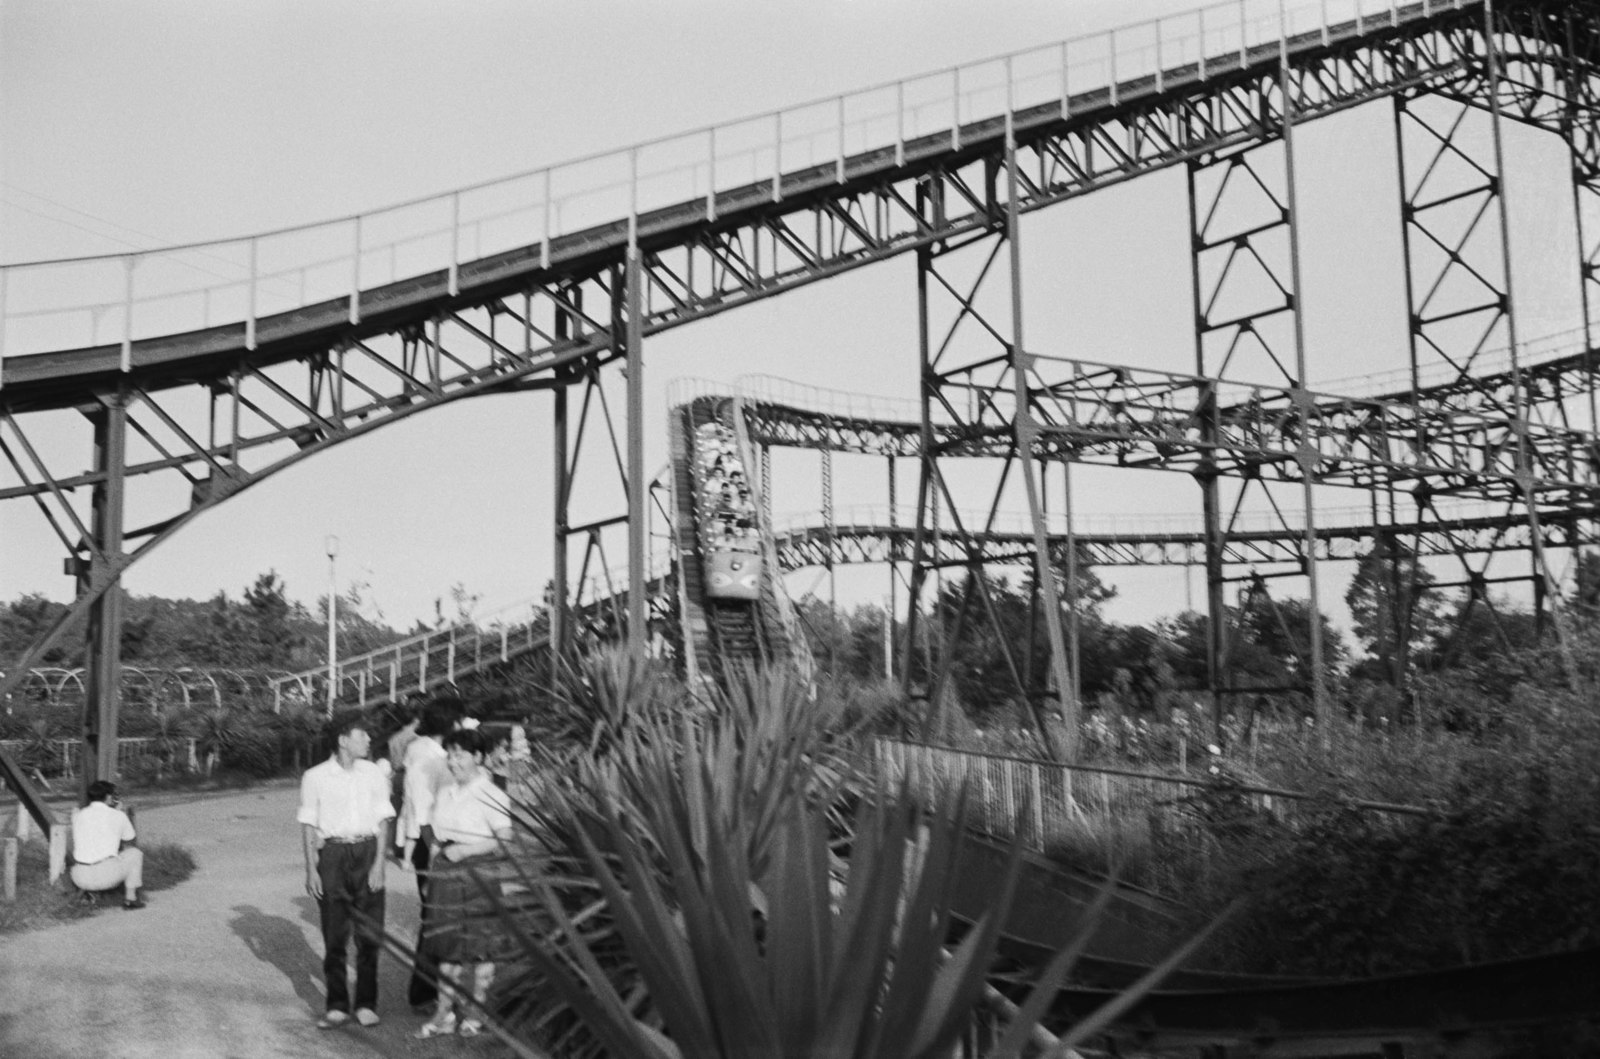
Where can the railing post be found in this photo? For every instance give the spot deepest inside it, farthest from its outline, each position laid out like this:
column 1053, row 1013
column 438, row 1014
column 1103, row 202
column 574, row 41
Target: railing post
column 1244, row 38
column 1066, row 107
column 250, row 323
column 633, row 196
column 1159, row 75
column 544, row 241
column 1111, row 66
column 394, row 676
column 450, row 657
column 58, row 849
column 955, row 106
column 505, row 647
column 838, row 165
column 128, row 263
column 455, row 244
column 422, row 667
column 355, row 275
column 777, row 156
column 1010, row 100
column 899, row 147
column 1324, row 8
column 711, row 176
column 8, row 864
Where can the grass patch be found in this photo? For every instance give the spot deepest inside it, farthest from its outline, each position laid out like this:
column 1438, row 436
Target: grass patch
column 39, row 904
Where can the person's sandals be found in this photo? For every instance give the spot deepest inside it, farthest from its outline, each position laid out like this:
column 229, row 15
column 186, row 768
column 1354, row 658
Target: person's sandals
column 134, row 905
column 332, row 1020
column 470, row 1028
column 367, row 1017
column 438, row 1026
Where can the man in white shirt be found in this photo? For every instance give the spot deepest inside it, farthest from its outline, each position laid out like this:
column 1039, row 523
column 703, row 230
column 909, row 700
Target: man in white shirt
column 103, row 853
column 345, row 816
column 425, row 772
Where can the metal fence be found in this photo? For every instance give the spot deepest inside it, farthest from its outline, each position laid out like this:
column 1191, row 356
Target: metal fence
column 63, row 758
column 1048, row 803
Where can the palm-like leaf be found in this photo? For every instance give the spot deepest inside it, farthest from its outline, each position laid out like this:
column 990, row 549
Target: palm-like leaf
column 691, row 901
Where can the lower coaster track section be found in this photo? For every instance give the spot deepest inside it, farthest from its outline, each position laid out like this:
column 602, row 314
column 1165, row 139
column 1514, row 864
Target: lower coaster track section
column 733, row 607
column 1474, row 1010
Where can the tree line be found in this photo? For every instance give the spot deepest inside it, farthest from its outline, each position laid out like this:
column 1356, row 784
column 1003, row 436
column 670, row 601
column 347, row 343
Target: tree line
column 1409, row 632
column 262, row 629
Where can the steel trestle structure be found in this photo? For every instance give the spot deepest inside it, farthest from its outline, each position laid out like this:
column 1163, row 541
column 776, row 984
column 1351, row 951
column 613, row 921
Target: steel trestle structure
column 183, row 413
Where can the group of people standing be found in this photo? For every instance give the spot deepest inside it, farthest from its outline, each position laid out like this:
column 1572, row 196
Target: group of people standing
column 439, row 812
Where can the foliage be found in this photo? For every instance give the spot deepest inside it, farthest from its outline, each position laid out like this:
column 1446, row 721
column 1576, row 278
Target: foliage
column 1505, row 867
column 720, row 882
column 1395, row 609
column 603, row 696
column 755, row 960
column 263, row 629
column 1496, row 876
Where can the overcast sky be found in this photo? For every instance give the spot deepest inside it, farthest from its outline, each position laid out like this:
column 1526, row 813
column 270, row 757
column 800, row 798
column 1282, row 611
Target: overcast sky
column 135, row 123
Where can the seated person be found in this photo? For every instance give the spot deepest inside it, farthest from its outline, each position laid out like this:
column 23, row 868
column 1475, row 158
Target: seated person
column 103, row 853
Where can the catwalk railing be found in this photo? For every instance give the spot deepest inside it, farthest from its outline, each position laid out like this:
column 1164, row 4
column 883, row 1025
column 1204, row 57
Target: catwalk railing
column 127, row 297
column 427, row 660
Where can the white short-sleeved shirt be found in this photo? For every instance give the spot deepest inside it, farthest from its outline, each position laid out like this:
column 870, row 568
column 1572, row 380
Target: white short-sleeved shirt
column 470, row 813
column 345, row 802
column 98, row 832
column 426, row 772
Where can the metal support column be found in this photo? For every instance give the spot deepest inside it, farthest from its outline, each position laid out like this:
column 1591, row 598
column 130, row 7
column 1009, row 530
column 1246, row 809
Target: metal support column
column 927, row 384
column 102, row 690
column 638, row 490
column 1307, row 456
column 562, row 521
column 1026, row 432
column 1455, row 236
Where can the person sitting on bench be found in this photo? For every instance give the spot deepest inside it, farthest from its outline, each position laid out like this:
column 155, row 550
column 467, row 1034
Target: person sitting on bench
column 103, row 850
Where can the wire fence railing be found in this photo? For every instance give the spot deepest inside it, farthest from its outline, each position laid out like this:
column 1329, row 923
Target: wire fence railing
column 435, row 657
column 557, row 209
column 63, row 758
column 1048, row 803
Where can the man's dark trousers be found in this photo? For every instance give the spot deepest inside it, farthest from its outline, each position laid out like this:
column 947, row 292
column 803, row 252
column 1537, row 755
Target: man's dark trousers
column 424, row 988
column 349, row 905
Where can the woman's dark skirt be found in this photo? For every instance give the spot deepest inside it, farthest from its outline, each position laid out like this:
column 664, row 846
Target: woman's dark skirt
column 463, row 924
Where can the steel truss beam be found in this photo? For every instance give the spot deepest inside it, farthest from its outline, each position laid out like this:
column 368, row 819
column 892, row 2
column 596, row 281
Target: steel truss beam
column 1278, row 550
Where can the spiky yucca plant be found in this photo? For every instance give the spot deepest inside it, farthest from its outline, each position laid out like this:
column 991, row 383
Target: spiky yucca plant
column 712, row 886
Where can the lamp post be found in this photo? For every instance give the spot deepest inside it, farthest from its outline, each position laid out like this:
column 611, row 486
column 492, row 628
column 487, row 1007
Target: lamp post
column 332, row 548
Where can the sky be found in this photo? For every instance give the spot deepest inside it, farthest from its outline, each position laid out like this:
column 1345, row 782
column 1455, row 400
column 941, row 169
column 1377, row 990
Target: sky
column 136, row 123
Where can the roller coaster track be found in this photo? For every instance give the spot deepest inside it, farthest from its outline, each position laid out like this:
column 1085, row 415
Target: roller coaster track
column 302, row 339
column 723, row 633
column 870, row 536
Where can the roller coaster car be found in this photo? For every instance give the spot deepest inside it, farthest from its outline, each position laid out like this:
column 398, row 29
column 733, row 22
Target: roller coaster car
column 734, row 572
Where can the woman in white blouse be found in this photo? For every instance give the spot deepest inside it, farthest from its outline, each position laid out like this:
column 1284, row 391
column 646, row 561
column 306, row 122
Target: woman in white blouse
column 471, row 824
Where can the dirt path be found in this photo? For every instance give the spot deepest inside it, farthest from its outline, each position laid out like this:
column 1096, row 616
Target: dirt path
column 225, row 966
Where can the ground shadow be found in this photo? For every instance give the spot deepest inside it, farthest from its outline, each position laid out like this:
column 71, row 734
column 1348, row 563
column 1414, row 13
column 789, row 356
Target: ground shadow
column 282, row 943
column 310, row 912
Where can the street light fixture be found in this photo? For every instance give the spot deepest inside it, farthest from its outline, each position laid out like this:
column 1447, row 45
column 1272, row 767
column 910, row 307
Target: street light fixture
column 332, row 548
